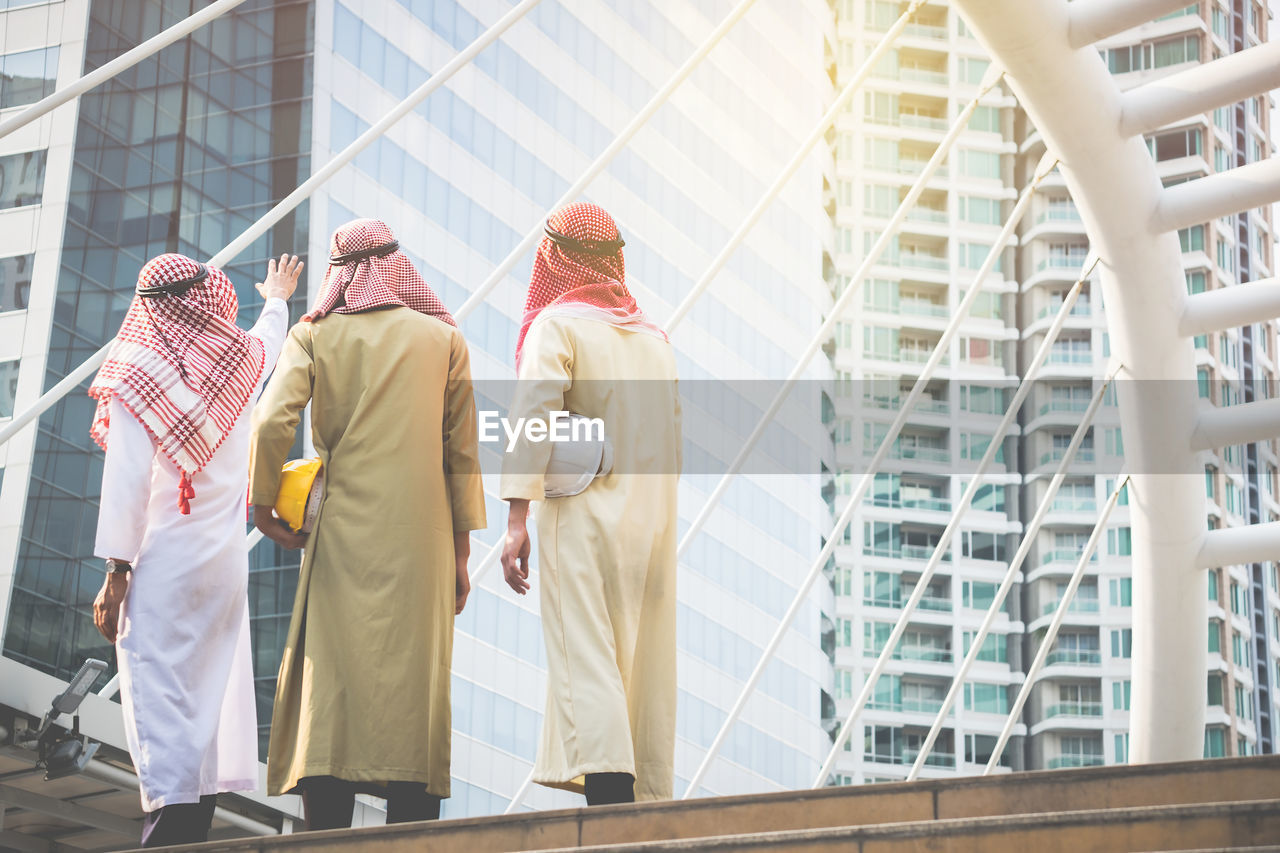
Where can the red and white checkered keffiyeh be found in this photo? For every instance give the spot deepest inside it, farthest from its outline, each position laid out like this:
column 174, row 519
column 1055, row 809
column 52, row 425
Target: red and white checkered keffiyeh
column 581, row 284
column 372, row 282
column 181, row 366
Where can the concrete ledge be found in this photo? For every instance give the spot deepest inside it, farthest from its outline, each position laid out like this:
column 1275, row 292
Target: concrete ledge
column 844, row 808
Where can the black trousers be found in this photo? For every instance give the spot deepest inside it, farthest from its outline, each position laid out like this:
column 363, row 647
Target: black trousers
column 180, row 823
column 606, row 788
column 329, row 802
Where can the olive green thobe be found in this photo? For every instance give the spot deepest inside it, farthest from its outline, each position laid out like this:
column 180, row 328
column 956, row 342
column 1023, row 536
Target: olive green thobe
column 363, row 691
column 606, row 557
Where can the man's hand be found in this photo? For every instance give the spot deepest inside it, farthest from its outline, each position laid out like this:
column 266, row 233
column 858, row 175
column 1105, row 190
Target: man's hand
column 276, row 530
column 515, row 551
column 106, row 607
column 282, row 277
column 462, row 581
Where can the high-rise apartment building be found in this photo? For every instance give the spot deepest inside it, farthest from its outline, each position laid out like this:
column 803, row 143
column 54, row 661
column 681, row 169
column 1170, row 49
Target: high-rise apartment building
column 184, row 151
column 1077, row 712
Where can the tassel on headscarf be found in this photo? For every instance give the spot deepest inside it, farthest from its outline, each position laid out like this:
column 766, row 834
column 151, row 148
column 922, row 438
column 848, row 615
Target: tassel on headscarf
column 186, row 492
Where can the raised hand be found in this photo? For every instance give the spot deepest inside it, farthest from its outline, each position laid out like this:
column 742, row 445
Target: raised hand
column 282, row 277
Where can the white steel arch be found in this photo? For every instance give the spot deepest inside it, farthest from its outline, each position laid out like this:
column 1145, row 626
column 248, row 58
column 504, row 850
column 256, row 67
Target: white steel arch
column 1069, row 95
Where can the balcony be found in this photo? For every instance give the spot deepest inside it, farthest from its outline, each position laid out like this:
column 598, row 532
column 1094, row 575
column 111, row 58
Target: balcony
column 920, row 260
column 1085, row 760
column 1080, row 309
column 896, row 502
column 1066, row 555
column 1083, row 454
column 911, row 166
column 922, row 454
column 921, row 121
column 915, row 706
column 1071, row 406
column 1061, row 262
column 935, row 759
column 1078, row 605
column 925, row 31
column 1073, row 355
column 927, row 214
column 1074, row 709
column 1074, row 657
column 922, row 308
column 920, row 552
column 1059, row 214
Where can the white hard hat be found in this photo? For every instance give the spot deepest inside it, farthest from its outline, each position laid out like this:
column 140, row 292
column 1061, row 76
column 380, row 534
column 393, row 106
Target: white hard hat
column 574, row 464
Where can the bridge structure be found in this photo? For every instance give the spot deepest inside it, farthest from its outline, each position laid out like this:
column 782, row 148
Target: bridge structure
column 1042, row 50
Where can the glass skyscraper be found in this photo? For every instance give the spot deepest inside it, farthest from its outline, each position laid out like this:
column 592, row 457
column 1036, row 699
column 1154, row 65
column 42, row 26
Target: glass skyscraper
column 187, row 149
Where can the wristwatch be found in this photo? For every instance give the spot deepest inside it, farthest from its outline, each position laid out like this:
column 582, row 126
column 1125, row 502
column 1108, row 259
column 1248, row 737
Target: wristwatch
column 118, row 567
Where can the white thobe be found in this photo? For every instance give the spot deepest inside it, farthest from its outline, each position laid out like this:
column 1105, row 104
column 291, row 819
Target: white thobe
column 186, row 676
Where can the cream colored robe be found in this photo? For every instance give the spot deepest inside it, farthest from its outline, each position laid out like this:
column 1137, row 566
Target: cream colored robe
column 606, row 561
column 363, row 692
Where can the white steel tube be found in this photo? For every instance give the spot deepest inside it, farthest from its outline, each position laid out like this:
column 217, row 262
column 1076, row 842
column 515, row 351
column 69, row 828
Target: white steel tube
column 1052, row 633
column 1201, row 89
column 1233, row 546
column 815, row 136
column 1094, row 20
column 1223, row 426
column 1028, row 537
column 944, row 542
column 1220, row 194
column 841, row 305
column 881, row 453
column 598, row 165
column 124, row 61
column 280, row 210
column 1229, row 307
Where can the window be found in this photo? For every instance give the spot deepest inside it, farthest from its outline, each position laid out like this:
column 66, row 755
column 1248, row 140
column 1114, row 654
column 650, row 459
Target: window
column 1122, row 643
column 978, row 749
column 971, row 70
column 1192, row 239
column 28, row 76
column 1213, row 585
column 1240, row 654
column 1120, row 695
column 1121, row 592
column 1215, row 636
column 1244, row 703
column 1120, row 541
column 983, row 211
column 15, row 282
column 844, row 632
column 21, row 179
column 979, row 164
column 986, row 119
column 880, row 200
column 1195, row 282
column 1179, row 143
column 1215, row 742
column 977, row 545
column 1215, row 689
column 973, row 445
column 843, row 684
column 1122, row 748
column 995, row 647
column 8, row 387
column 986, row 698
column 983, row 399
column 1114, row 442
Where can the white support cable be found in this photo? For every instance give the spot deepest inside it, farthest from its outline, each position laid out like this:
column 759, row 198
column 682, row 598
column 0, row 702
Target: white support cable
column 123, row 62
column 1058, row 617
column 1015, row 566
column 598, row 165
column 989, row 82
column 793, row 165
column 917, row 593
column 283, row 208
column 521, row 793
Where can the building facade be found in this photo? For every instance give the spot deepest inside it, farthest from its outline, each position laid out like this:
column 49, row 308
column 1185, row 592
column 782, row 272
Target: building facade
column 1077, row 711
column 186, row 150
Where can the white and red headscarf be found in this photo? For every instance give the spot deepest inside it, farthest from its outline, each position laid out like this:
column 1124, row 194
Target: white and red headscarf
column 367, row 270
column 583, row 281
column 180, row 365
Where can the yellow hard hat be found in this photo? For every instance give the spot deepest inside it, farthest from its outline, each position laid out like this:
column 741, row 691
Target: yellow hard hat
column 301, row 486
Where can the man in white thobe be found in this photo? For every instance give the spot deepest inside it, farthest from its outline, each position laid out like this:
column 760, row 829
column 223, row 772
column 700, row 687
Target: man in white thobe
column 173, row 400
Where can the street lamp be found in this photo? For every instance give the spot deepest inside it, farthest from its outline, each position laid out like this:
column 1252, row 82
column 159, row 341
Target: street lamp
column 66, row 753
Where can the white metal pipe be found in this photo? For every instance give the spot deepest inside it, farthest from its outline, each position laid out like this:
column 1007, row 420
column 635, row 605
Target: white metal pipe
column 1055, row 624
column 841, row 305
column 1094, row 20
column 111, row 688
column 993, row 447
column 1220, row 194
column 1223, row 426
column 1233, row 546
column 1231, row 307
column 521, row 793
column 1028, row 538
column 815, row 136
column 1074, row 102
column 1201, row 89
column 881, row 453
column 122, row 62
column 598, row 165
column 281, row 209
